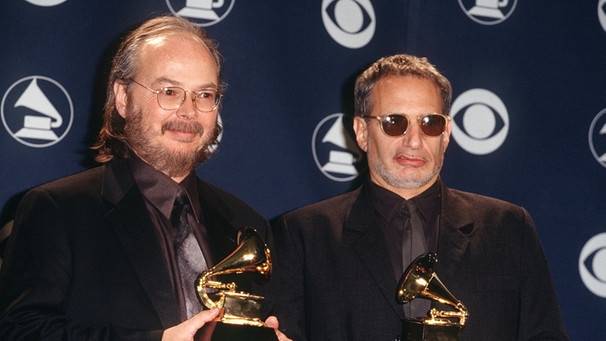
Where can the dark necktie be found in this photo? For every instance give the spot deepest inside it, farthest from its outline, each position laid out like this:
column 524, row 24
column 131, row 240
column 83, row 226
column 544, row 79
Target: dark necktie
column 413, row 245
column 189, row 256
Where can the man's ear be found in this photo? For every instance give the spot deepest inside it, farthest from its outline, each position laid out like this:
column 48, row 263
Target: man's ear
column 360, row 126
column 120, row 97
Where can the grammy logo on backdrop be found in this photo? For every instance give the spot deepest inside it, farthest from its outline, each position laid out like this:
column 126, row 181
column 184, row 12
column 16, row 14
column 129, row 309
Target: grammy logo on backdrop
column 489, row 8
column 240, row 320
column 420, row 281
column 201, row 9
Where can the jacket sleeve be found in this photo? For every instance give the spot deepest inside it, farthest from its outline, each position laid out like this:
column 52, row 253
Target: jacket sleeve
column 36, row 276
column 540, row 316
column 287, row 284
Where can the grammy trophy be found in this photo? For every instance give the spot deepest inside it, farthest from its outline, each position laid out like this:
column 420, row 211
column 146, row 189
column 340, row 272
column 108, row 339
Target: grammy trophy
column 420, row 281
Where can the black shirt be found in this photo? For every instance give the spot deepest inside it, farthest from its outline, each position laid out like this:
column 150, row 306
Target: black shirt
column 389, row 207
column 160, row 192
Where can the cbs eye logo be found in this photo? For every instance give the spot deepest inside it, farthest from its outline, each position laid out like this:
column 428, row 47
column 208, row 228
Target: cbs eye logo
column 480, row 121
column 46, row 3
column 592, row 264
column 350, row 23
column 602, row 13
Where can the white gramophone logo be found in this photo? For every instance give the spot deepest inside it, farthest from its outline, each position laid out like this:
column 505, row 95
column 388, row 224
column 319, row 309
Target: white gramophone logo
column 488, row 12
column 335, row 151
column 31, row 117
column 201, row 12
column 597, row 137
column 213, row 147
column 350, row 23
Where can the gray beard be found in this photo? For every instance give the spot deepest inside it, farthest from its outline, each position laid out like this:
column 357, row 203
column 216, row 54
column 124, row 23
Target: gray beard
column 405, row 183
column 170, row 162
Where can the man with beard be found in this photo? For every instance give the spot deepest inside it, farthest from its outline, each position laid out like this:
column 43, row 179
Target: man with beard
column 337, row 263
column 94, row 256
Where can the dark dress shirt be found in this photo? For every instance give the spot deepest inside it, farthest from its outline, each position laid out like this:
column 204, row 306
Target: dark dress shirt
column 389, row 207
column 159, row 193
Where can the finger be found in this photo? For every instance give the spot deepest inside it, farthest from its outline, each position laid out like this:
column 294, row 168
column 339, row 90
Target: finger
column 206, row 316
column 272, row 322
column 282, row 337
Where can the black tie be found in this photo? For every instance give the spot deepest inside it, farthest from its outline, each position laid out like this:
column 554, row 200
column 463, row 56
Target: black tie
column 413, row 245
column 189, row 256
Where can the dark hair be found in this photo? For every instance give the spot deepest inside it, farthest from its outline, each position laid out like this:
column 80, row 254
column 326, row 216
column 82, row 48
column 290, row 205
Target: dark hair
column 111, row 141
column 398, row 65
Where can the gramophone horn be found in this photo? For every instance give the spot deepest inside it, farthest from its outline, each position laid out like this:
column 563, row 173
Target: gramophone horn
column 420, row 281
column 251, row 256
column 416, row 277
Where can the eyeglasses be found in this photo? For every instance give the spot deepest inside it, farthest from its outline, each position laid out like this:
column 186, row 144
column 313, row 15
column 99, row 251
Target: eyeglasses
column 172, row 97
column 397, row 124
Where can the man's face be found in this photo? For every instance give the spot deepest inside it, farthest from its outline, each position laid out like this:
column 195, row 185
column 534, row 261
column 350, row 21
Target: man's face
column 171, row 141
column 410, row 163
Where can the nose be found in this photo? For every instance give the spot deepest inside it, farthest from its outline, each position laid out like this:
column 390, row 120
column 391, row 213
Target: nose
column 188, row 110
column 414, row 136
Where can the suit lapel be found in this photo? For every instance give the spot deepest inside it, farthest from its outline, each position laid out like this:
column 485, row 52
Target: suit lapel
column 130, row 220
column 222, row 235
column 362, row 232
column 455, row 228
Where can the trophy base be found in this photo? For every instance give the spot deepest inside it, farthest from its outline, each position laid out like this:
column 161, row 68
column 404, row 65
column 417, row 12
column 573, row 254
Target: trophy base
column 219, row 331
column 416, row 330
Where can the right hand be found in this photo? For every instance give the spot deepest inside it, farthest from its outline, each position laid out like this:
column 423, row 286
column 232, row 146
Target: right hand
column 186, row 330
column 272, row 322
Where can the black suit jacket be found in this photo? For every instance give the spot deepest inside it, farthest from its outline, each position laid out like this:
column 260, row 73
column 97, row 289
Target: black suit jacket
column 84, row 262
column 335, row 281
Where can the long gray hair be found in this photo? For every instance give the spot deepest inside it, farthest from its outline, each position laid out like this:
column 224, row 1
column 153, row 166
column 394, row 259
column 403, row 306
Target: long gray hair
column 111, row 140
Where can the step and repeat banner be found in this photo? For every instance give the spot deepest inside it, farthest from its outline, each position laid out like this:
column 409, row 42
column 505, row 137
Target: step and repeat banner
column 529, row 105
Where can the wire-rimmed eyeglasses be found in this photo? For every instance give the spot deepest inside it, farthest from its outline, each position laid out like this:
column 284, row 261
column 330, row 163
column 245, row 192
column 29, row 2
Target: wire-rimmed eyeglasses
column 172, row 97
column 432, row 124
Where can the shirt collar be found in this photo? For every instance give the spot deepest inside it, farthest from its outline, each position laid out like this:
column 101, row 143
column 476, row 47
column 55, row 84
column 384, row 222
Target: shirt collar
column 429, row 202
column 388, row 203
column 160, row 190
column 384, row 201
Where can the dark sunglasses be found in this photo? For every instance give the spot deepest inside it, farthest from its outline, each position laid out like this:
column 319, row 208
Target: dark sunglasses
column 397, row 124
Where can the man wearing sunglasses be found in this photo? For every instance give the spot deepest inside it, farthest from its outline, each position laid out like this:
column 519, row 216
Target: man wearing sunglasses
column 338, row 262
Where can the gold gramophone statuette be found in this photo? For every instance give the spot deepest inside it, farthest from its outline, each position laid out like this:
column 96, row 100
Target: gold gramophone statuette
column 420, row 281
column 241, row 310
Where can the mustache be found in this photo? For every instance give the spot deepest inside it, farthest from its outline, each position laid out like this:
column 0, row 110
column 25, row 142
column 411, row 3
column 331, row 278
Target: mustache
column 186, row 127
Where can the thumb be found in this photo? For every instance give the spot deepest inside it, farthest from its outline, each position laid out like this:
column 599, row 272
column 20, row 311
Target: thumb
column 205, row 316
column 272, row 322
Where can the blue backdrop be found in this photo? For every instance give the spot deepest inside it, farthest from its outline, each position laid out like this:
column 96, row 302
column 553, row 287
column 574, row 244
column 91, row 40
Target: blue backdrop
column 529, row 110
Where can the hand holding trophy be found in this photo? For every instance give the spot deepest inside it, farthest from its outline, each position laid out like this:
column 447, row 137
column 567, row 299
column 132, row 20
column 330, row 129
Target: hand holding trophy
column 420, row 281
column 240, row 320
